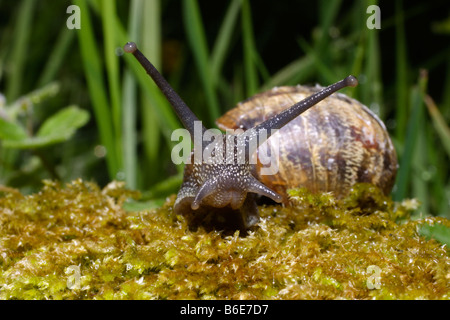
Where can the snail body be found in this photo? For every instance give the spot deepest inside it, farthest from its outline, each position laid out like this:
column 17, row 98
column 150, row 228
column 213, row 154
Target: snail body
column 330, row 147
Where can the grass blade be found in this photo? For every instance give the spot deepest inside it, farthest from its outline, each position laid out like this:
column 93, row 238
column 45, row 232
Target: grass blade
column 17, row 59
column 401, row 72
column 294, row 73
column 129, row 103
column 418, row 174
column 112, row 70
column 222, row 44
column 56, row 58
column 327, row 73
column 19, row 50
column 250, row 71
column 328, row 11
column 404, row 173
column 151, row 44
column 435, row 173
column 374, row 91
column 97, row 89
column 439, row 123
column 197, row 40
column 446, row 98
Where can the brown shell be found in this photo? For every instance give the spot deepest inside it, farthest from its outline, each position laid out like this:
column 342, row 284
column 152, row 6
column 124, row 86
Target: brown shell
column 330, row 147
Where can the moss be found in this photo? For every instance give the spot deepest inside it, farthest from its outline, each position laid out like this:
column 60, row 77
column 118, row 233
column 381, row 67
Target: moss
column 320, row 248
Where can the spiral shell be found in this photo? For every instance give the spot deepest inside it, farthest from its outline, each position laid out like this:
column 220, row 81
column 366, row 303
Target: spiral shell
column 330, row 147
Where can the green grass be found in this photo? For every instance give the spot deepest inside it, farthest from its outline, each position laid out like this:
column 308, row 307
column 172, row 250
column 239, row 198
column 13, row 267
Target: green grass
column 220, row 58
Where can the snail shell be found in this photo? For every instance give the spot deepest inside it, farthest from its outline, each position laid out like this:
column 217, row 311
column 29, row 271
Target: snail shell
column 330, row 147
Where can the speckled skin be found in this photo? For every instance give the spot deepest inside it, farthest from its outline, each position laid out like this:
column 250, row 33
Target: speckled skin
column 330, row 147
column 223, row 192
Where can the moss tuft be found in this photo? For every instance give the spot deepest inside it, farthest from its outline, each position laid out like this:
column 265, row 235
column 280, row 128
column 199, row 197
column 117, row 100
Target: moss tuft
column 77, row 242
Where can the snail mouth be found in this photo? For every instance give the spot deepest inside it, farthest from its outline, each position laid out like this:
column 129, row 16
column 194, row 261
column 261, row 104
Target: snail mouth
column 231, row 200
column 224, row 219
column 237, row 198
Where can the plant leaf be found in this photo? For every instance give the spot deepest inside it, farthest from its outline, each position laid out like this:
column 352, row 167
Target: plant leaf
column 58, row 128
column 64, row 123
column 441, row 127
column 11, row 131
column 437, row 231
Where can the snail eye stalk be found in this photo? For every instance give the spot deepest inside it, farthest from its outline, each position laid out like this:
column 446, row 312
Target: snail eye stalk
column 295, row 110
column 184, row 113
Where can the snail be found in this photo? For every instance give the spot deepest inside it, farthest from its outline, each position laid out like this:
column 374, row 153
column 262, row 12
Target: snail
column 329, row 148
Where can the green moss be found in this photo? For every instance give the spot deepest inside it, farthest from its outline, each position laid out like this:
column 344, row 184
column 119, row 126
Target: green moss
column 320, row 248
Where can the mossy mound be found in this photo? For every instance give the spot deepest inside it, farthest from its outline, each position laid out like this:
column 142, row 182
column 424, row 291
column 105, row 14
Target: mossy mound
column 76, row 242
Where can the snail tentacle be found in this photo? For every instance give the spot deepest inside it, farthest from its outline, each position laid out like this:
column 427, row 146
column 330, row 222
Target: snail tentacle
column 184, row 113
column 298, row 108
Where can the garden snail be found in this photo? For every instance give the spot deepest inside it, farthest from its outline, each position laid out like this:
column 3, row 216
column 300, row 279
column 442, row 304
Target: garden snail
column 330, row 147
